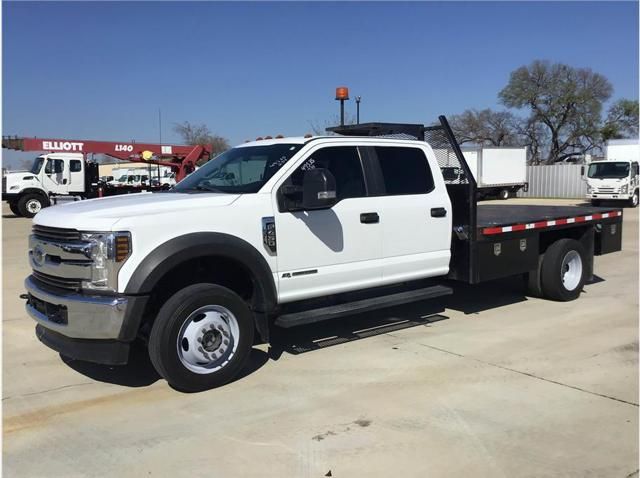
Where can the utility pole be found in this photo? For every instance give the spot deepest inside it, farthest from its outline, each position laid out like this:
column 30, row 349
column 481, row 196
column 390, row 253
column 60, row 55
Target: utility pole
column 358, row 98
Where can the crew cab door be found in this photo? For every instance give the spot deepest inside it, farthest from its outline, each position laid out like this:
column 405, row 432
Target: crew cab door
column 329, row 250
column 415, row 213
column 55, row 177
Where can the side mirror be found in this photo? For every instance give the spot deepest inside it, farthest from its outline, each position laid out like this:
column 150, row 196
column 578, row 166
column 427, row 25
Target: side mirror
column 318, row 189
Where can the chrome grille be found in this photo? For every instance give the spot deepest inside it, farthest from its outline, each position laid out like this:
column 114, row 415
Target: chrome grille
column 58, row 282
column 56, row 233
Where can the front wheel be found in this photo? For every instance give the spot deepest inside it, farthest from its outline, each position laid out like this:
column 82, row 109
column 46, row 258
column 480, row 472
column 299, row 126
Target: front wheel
column 633, row 201
column 30, row 204
column 595, row 202
column 563, row 270
column 201, row 338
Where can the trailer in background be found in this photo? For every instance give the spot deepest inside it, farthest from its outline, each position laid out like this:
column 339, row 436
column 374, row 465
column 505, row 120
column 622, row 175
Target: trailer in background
column 499, row 172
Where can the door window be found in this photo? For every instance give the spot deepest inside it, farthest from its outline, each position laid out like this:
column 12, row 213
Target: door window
column 344, row 163
column 75, row 166
column 405, row 170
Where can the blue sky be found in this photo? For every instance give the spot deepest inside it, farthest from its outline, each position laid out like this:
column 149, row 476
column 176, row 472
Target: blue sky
column 86, row 70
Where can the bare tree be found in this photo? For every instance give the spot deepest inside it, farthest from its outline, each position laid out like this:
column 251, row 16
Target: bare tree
column 200, row 134
column 485, row 127
column 566, row 100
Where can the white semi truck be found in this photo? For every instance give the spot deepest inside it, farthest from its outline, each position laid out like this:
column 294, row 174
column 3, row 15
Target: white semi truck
column 616, row 178
column 53, row 174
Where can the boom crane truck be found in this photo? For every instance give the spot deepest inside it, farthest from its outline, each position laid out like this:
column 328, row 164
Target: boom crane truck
column 287, row 232
column 65, row 171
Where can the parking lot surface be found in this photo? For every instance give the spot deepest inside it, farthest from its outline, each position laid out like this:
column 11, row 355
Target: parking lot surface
column 486, row 382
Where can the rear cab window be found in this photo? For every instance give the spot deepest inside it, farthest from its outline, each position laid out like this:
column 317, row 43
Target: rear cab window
column 404, row 170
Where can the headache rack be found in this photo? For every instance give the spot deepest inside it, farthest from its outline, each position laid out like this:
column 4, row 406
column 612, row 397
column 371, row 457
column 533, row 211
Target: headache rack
column 458, row 178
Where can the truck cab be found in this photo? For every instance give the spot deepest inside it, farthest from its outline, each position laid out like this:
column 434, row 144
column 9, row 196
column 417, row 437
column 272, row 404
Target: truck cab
column 616, row 177
column 613, row 180
column 50, row 175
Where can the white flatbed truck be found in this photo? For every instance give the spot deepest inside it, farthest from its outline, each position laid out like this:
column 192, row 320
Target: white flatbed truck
column 252, row 239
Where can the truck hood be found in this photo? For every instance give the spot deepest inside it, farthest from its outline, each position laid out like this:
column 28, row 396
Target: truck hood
column 104, row 213
column 22, row 179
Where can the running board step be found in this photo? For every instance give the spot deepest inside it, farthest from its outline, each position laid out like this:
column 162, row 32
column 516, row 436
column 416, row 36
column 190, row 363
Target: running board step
column 334, row 311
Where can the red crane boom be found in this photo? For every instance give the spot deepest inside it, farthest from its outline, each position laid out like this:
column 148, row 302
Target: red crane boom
column 179, row 157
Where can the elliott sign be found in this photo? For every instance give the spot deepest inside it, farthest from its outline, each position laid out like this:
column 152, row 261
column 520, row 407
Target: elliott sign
column 61, row 146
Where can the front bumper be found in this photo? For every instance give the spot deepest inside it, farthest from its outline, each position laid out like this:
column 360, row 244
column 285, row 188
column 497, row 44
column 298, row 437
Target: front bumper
column 605, row 196
column 76, row 315
column 10, row 197
column 93, row 328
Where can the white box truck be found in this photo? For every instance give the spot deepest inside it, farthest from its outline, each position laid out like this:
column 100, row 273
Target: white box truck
column 617, row 177
column 499, row 171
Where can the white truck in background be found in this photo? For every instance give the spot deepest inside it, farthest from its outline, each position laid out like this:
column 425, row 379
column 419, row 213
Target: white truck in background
column 499, row 172
column 617, row 177
column 53, row 174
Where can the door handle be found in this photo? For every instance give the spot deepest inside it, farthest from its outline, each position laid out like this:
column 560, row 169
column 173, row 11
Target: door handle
column 369, row 218
column 438, row 212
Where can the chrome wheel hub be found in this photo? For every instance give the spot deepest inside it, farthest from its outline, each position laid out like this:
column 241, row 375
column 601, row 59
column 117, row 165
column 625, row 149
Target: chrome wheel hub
column 33, row 206
column 208, row 339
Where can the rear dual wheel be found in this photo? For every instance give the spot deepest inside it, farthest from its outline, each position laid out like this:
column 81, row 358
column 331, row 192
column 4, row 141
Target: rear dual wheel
column 561, row 272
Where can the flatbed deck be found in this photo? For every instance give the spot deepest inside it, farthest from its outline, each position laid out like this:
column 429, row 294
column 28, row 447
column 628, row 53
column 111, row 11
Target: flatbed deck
column 496, row 218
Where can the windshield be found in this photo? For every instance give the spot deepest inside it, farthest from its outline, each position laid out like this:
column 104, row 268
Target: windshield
column 607, row 170
column 122, row 179
column 37, row 165
column 239, row 170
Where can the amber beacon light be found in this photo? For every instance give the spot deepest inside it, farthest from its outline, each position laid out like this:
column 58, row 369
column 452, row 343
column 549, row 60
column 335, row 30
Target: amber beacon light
column 342, row 94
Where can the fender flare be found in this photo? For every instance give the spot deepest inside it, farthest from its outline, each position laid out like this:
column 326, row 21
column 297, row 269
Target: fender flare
column 39, row 192
column 201, row 244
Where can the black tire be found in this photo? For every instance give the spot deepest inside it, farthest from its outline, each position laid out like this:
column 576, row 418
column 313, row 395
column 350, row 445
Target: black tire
column 30, row 204
column 504, row 194
column 595, row 202
column 633, row 201
column 551, row 273
column 163, row 339
column 14, row 208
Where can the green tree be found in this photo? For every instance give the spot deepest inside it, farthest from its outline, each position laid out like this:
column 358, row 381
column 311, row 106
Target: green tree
column 566, row 100
column 485, row 127
column 622, row 120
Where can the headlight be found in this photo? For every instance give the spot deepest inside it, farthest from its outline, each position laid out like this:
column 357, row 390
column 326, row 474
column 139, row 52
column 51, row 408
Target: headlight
column 108, row 252
column 589, row 188
column 17, row 186
column 624, row 189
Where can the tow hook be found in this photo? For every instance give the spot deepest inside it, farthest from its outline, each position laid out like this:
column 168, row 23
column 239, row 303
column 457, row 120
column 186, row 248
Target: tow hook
column 24, row 296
